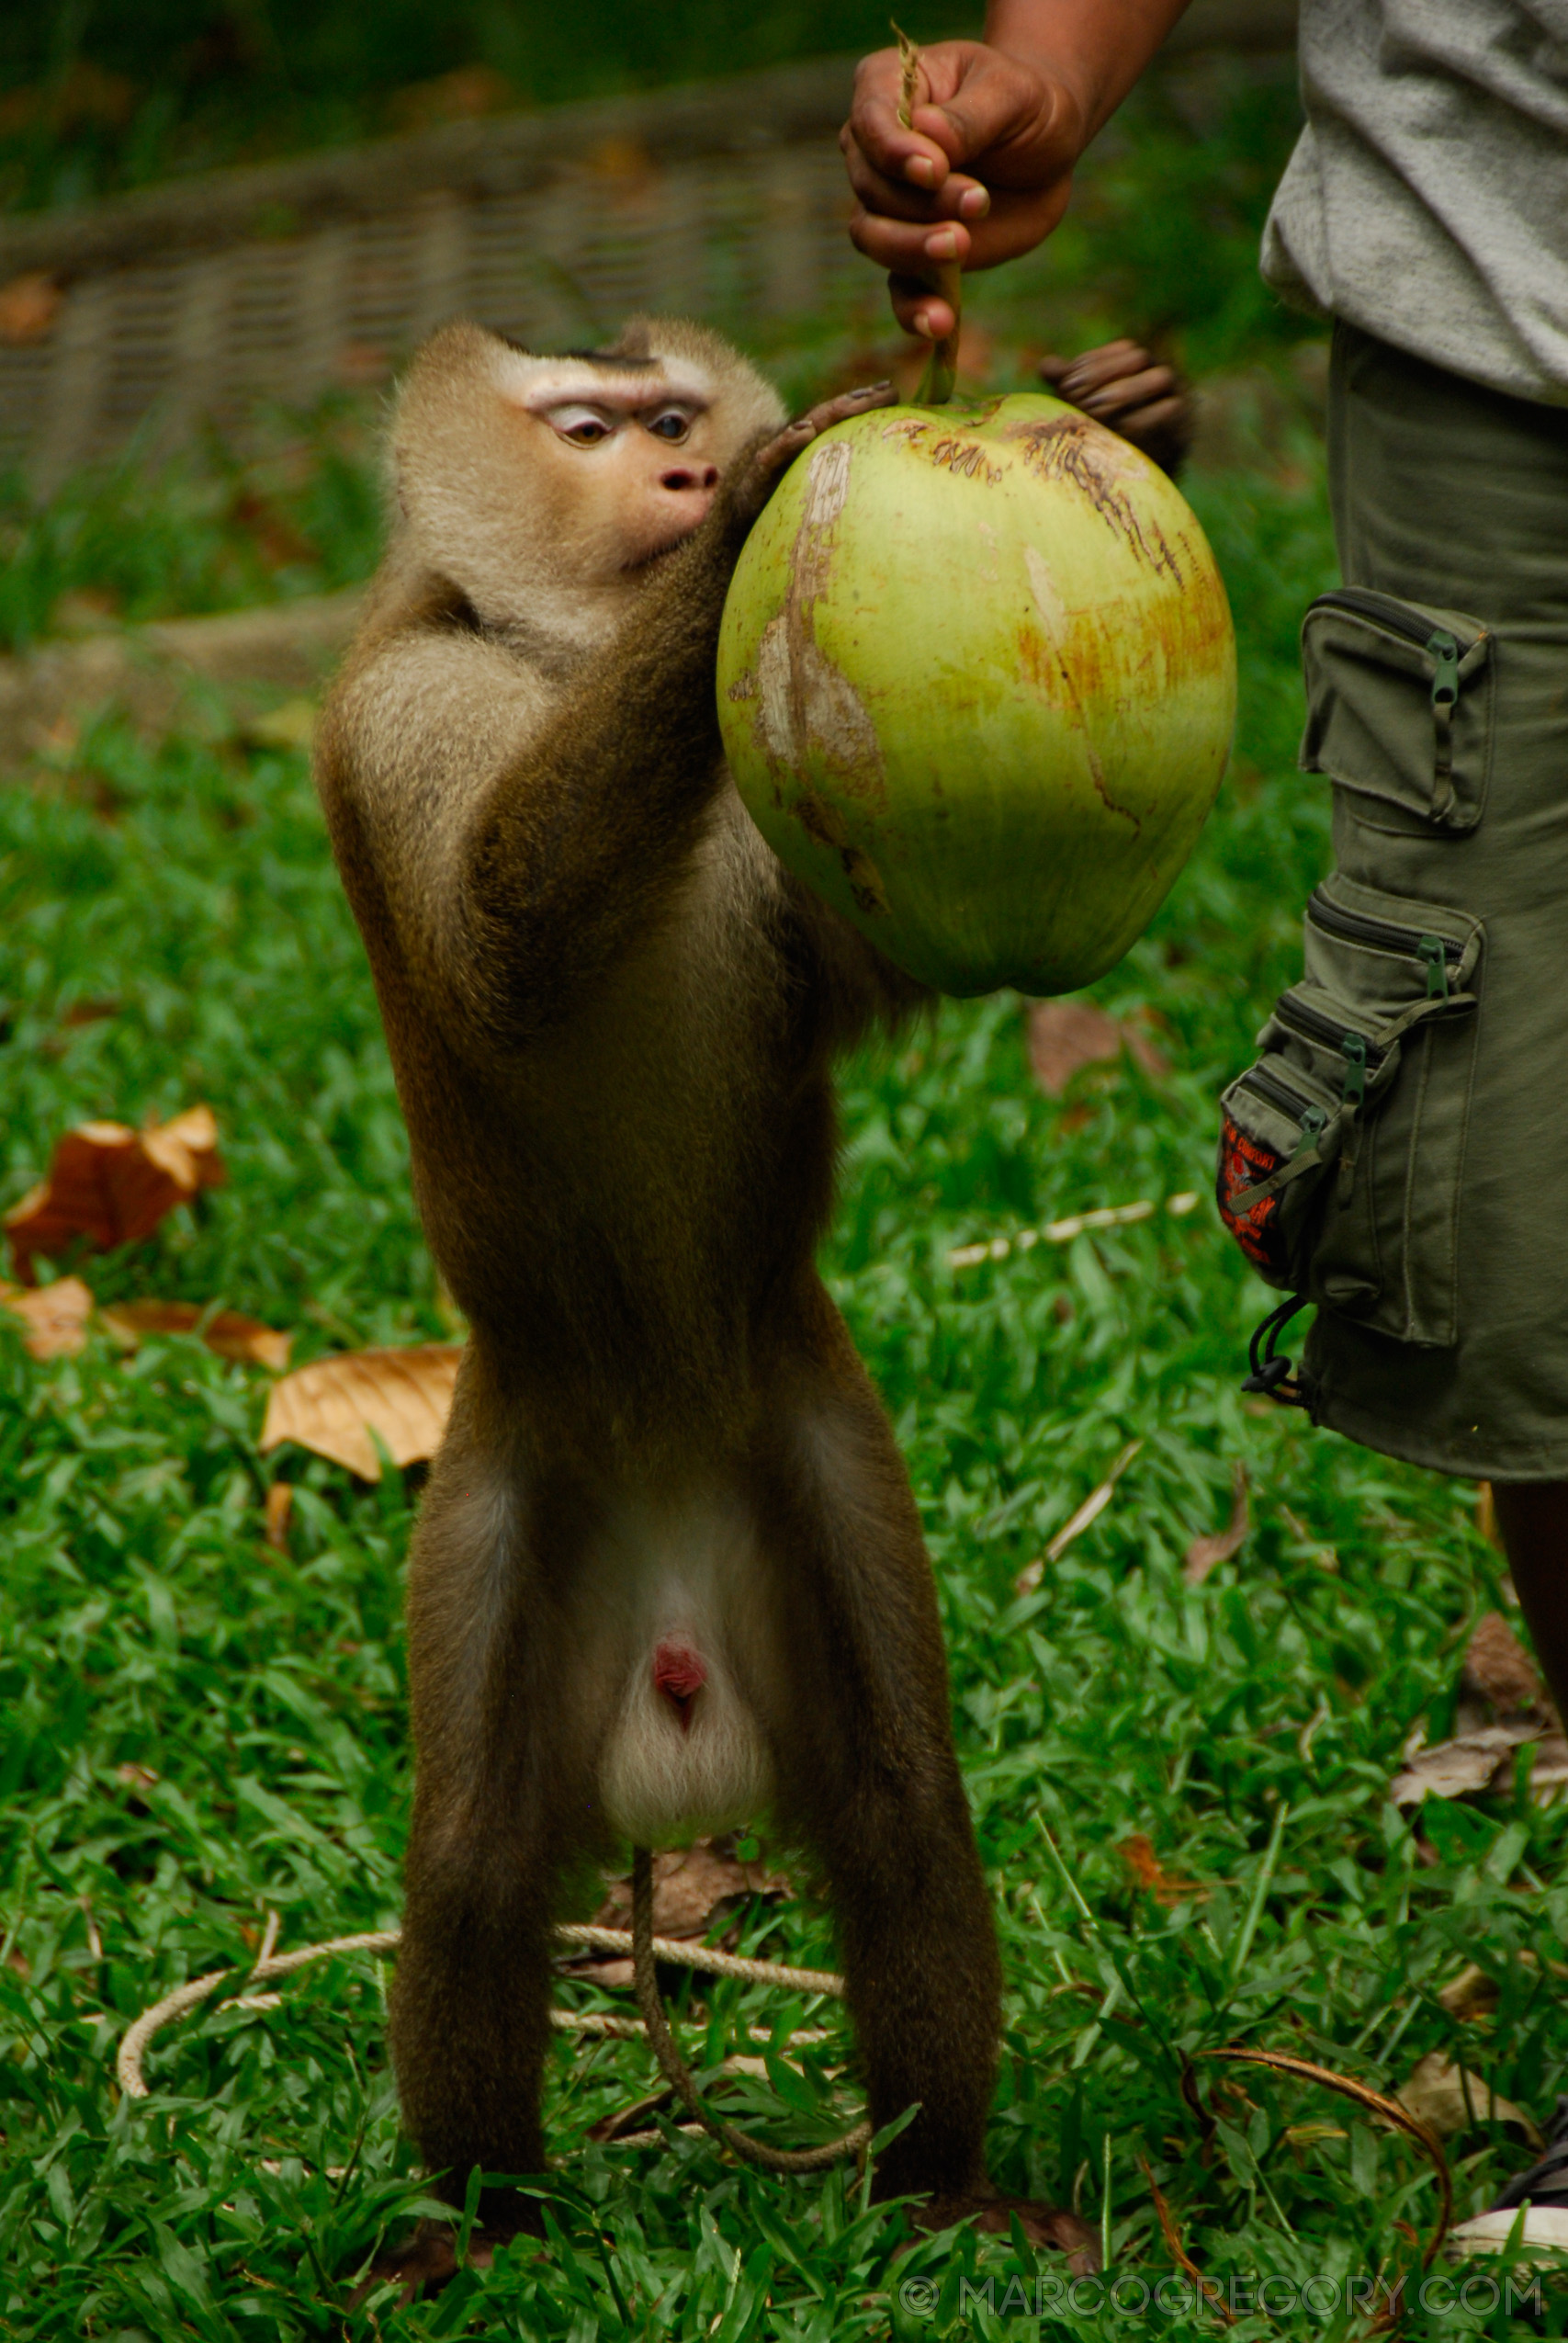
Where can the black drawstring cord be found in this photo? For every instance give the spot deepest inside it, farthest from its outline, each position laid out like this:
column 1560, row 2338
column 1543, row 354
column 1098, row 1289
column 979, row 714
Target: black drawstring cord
column 1270, row 1370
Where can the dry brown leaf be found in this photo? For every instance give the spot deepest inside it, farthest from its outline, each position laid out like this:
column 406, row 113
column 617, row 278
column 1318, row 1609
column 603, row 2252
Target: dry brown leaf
column 688, row 1886
column 226, row 1332
column 1483, row 1759
column 1499, row 1670
column 28, row 307
column 335, row 1404
column 1205, row 1553
column 55, row 1315
column 1447, row 2101
column 1141, row 1860
column 692, row 1886
column 1470, row 1995
column 279, row 1508
column 1065, row 1036
column 111, row 1185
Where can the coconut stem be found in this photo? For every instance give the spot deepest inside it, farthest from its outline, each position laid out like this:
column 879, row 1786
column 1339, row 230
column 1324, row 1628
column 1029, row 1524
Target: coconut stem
column 942, row 369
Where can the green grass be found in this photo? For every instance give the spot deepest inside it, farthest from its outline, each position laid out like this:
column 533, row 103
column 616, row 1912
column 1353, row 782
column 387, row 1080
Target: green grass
column 196, row 1730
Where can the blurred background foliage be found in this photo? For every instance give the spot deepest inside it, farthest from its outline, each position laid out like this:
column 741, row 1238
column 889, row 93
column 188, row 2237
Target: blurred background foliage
column 99, row 96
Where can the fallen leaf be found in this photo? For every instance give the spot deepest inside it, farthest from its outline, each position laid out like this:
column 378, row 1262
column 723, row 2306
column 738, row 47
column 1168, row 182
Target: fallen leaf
column 335, row 1404
column 111, row 1185
column 1471, row 1993
column 1138, row 1854
column 1482, row 1759
column 226, row 1332
column 1205, row 1553
column 279, row 1508
column 135, row 1777
column 1094, row 1504
column 1066, row 1035
column 1499, row 1670
column 690, row 1885
column 55, row 1315
column 1447, row 2101
column 28, row 307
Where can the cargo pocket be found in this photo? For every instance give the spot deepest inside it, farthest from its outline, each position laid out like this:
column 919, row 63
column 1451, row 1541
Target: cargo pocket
column 1399, row 708
column 1341, row 1149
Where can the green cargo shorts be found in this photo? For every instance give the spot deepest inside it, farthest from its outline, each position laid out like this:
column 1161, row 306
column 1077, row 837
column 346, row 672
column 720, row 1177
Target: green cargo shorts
column 1396, row 1152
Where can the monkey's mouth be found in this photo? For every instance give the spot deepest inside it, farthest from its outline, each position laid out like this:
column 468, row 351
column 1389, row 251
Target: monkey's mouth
column 661, row 552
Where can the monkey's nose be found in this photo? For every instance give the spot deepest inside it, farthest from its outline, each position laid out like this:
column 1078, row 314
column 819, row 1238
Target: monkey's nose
column 688, row 476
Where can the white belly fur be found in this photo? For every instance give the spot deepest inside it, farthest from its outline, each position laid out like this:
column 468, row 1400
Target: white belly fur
column 682, row 1575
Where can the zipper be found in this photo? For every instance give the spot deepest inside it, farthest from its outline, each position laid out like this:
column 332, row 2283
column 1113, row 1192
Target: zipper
column 1441, row 647
column 1434, row 952
column 1329, row 1031
column 1289, row 1102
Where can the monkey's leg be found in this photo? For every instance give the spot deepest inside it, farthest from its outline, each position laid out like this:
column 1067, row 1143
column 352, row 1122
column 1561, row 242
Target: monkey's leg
column 491, row 1829
column 868, row 1772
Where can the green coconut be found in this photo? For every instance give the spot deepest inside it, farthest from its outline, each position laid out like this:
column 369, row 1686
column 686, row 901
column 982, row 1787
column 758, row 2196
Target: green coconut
column 976, row 682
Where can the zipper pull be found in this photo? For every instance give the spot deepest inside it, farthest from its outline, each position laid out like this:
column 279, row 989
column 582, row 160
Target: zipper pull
column 1443, row 650
column 1353, row 1048
column 1433, row 950
column 1315, row 1122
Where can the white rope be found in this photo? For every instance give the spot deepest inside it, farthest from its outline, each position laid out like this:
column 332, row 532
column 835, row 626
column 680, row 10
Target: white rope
column 138, row 2036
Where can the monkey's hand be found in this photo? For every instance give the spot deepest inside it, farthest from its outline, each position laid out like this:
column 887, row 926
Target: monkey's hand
column 759, row 471
column 1123, row 388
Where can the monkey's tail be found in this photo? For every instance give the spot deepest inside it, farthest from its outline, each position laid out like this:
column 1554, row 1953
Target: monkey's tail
column 679, row 2074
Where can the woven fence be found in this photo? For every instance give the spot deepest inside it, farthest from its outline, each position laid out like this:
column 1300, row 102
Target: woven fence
column 192, row 302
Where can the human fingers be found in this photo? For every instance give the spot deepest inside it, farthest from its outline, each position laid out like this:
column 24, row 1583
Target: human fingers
column 893, row 150
column 919, row 308
column 910, row 247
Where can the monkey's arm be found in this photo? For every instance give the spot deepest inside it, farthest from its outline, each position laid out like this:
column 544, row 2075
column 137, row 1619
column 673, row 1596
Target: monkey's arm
column 514, row 836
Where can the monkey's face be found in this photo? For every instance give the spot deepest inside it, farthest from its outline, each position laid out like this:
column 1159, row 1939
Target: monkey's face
column 548, row 488
column 632, row 457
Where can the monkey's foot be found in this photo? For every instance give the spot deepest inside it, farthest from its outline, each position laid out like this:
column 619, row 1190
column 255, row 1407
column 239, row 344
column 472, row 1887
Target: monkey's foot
column 1041, row 2224
column 424, row 2263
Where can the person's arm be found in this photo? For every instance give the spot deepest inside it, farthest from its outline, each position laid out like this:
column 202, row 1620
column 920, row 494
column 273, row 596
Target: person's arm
column 984, row 170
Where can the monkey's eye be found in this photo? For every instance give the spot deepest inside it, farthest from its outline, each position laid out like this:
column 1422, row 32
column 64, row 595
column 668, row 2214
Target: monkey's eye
column 584, row 426
column 670, row 423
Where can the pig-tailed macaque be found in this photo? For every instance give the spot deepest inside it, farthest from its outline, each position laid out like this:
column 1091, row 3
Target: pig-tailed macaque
column 668, row 1575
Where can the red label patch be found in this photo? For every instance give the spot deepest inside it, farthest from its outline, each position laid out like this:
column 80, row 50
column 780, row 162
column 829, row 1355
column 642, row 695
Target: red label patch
column 1243, row 1163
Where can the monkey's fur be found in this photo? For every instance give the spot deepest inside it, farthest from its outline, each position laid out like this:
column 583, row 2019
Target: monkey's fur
column 611, row 1016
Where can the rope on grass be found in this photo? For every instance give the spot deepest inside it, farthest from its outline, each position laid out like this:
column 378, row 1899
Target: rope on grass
column 139, row 2035
column 679, row 2074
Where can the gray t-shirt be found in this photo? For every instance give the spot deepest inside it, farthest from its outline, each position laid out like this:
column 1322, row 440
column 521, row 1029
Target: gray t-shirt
column 1427, row 199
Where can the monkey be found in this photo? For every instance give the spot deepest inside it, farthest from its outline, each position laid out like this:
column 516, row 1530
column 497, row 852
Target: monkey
column 668, row 1573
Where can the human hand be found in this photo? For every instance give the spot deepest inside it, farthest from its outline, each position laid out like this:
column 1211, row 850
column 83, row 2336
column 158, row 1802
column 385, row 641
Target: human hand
column 1125, row 389
column 982, row 173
